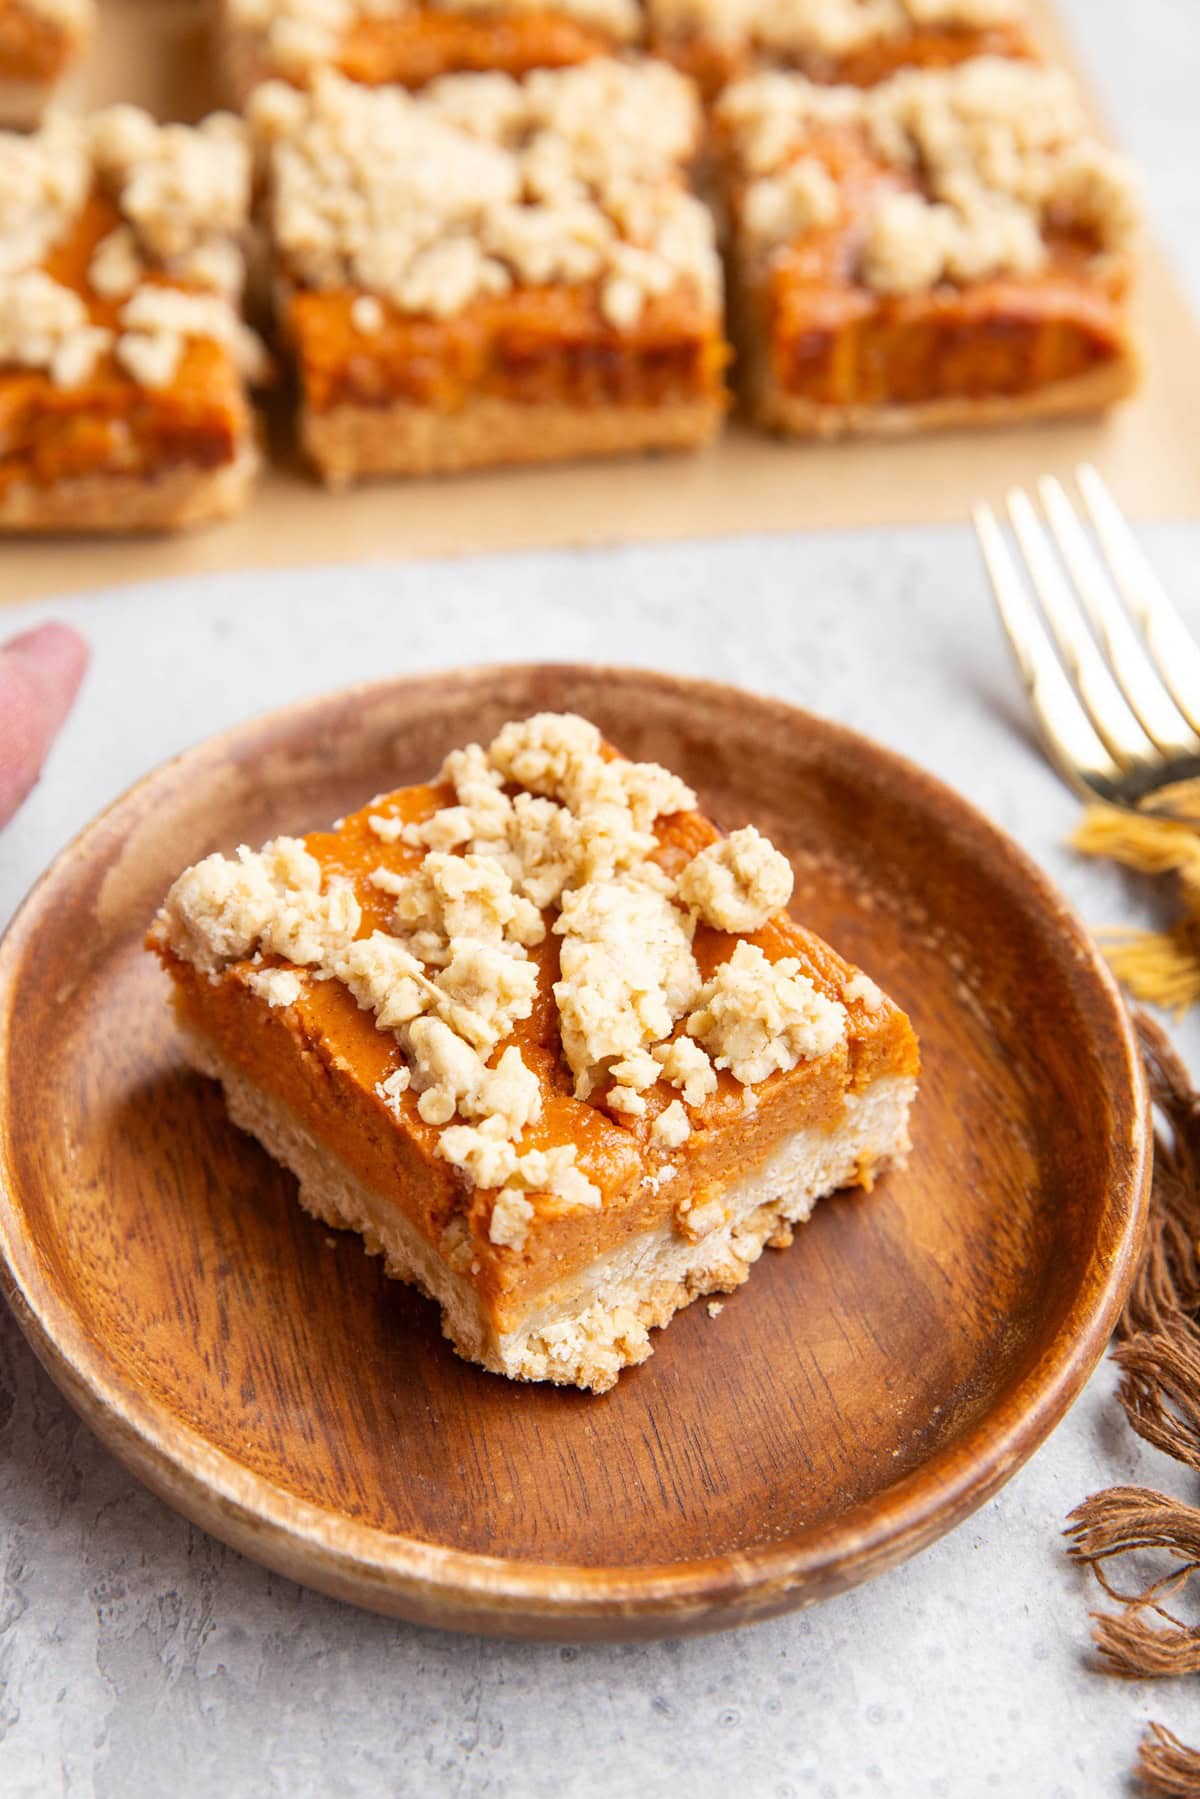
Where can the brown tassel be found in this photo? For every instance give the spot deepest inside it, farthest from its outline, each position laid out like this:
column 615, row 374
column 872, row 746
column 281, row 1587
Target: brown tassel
column 1159, row 1356
column 1166, row 1766
column 1144, row 1638
column 1160, row 1390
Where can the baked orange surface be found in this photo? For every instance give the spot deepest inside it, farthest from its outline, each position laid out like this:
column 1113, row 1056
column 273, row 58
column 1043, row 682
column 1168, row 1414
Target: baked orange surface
column 419, row 45
column 534, row 346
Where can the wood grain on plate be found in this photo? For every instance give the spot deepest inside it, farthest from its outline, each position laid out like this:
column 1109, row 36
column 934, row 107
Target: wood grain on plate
column 157, row 54
column 865, row 1390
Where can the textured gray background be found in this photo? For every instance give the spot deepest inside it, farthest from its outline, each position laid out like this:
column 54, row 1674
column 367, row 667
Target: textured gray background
column 139, row 1657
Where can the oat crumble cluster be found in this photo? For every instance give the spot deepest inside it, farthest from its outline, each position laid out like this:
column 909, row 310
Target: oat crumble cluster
column 1000, row 150
column 482, row 183
column 547, row 832
column 182, row 194
column 827, row 27
column 302, row 34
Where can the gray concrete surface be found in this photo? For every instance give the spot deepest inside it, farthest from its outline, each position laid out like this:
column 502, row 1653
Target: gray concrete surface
column 139, row 1658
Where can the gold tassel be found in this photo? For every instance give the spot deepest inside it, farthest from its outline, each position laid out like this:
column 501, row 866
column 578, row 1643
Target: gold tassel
column 1160, row 967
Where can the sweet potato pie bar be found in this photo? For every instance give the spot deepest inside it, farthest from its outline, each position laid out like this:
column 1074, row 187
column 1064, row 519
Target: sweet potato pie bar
column 410, row 42
column 123, row 356
column 493, row 271
column 947, row 247
column 545, row 1038
column 856, row 41
column 40, row 42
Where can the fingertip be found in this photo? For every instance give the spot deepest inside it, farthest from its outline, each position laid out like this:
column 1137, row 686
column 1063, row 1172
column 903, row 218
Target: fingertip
column 57, row 652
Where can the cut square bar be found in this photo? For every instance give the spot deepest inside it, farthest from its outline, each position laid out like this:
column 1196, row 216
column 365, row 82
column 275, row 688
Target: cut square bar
column 123, row 357
column 946, row 248
column 494, row 271
column 544, row 1038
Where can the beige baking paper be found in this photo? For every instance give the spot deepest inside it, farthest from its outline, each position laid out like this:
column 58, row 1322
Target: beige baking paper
column 156, row 52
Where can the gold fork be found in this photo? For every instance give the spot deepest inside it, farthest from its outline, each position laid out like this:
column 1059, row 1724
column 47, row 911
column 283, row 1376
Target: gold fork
column 1114, row 682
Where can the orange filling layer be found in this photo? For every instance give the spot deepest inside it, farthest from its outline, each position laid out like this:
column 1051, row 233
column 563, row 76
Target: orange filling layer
column 543, row 345
column 417, row 46
column 109, row 424
column 32, row 48
column 835, row 342
column 712, row 63
column 324, row 1056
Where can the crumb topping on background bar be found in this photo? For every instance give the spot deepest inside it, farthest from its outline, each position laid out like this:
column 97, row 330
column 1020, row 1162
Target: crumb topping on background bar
column 827, row 27
column 481, row 183
column 183, row 195
column 302, row 34
column 74, row 16
column 988, row 156
column 451, row 975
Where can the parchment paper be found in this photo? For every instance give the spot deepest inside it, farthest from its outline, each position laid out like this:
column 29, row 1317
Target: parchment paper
column 155, row 52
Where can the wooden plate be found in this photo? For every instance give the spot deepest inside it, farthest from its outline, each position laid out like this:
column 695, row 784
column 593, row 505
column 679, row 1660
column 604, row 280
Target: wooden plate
column 864, row 1392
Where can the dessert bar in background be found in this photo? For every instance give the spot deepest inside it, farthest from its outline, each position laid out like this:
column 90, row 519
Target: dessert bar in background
column 545, row 1038
column 123, row 356
column 855, row 41
column 493, row 271
column 411, row 42
column 947, row 248
column 41, row 41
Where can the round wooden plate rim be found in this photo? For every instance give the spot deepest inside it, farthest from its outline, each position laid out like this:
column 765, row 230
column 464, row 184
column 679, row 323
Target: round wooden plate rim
column 269, row 1522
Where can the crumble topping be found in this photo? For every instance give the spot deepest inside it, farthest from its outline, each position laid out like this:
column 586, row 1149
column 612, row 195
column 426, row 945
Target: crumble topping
column 802, row 197
column 987, row 157
column 481, row 182
column 737, row 884
column 826, row 27
column 392, row 1086
column 684, row 1064
column 301, row 34
column 627, row 973
column 44, row 325
column 511, row 1216
column 183, row 194
column 862, row 987
column 454, row 897
column 44, row 181
column 596, row 826
column 479, row 994
column 278, row 986
column 755, row 1016
column 225, row 908
column 672, row 1127
column 451, row 975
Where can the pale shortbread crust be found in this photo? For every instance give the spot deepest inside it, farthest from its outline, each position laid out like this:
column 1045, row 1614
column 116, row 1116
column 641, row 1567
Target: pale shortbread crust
column 584, row 1331
column 349, row 443
column 118, row 503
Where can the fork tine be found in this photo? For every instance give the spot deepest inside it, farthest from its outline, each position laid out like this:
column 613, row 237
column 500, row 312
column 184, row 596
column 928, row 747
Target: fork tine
column 1073, row 744
column 1144, row 688
column 1098, row 693
column 1171, row 646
